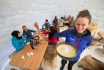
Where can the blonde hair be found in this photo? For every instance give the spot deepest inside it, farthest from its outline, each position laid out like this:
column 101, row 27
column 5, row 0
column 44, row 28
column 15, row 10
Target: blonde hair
column 84, row 13
column 23, row 26
column 50, row 55
column 36, row 23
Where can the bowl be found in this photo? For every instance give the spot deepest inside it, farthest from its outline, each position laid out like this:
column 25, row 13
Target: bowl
column 66, row 51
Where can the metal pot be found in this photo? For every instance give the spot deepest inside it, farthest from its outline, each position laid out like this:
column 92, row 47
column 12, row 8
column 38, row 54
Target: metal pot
column 62, row 56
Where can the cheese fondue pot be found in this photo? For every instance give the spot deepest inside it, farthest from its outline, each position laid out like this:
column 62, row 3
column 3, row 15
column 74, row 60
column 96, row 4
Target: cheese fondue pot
column 66, row 51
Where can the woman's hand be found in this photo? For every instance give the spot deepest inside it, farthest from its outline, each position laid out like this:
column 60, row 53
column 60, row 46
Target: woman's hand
column 61, row 39
column 24, row 41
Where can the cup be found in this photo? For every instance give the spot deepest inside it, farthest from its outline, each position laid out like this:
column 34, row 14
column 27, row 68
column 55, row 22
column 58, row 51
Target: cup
column 28, row 43
column 22, row 57
column 31, row 53
column 28, row 54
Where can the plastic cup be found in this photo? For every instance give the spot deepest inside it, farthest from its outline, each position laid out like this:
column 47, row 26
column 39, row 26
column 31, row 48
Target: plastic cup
column 28, row 54
column 22, row 57
column 28, row 43
column 31, row 53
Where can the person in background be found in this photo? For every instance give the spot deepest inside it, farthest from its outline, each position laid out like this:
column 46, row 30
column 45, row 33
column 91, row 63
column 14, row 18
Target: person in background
column 36, row 26
column 56, row 26
column 61, row 21
column 69, row 18
column 18, row 41
column 46, row 24
column 64, row 18
column 72, row 22
column 80, row 36
column 52, row 32
column 27, row 33
column 55, row 19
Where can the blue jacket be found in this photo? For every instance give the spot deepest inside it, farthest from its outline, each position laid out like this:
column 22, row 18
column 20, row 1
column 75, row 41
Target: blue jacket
column 79, row 42
column 18, row 44
column 64, row 19
column 46, row 26
column 28, row 35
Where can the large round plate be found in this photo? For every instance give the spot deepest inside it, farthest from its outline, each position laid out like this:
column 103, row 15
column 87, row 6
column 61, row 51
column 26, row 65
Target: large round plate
column 64, row 49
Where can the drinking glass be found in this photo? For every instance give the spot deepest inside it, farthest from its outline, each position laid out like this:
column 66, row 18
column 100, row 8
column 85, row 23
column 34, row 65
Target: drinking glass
column 22, row 57
column 28, row 54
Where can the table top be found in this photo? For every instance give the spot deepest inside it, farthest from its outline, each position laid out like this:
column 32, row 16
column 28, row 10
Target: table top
column 32, row 62
column 102, row 34
column 66, row 22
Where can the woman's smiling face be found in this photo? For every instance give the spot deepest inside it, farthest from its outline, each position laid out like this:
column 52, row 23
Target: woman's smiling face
column 81, row 24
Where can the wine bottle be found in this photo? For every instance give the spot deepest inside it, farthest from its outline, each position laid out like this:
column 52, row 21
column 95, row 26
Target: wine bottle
column 31, row 43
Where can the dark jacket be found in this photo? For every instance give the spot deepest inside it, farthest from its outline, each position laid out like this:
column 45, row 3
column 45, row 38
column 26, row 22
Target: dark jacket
column 18, row 44
column 28, row 35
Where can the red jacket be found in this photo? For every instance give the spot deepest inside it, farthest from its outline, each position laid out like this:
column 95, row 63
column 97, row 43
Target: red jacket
column 69, row 18
column 52, row 40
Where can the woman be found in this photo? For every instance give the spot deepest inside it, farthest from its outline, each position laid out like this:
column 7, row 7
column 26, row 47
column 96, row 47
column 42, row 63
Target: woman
column 51, row 38
column 61, row 21
column 72, row 22
column 56, row 26
column 55, row 19
column 80, row 36
column 36, row 26
column 69, row 18
column 18, row 41
column 64, row 17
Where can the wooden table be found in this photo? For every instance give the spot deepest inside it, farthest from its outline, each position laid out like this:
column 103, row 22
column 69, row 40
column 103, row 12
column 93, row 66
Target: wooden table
column 66, row 23
column 32, row 62
column 93, row 27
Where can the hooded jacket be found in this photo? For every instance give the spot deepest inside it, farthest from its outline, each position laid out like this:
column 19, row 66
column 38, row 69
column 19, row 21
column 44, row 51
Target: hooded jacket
column 46, row 26
column 18, row 44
